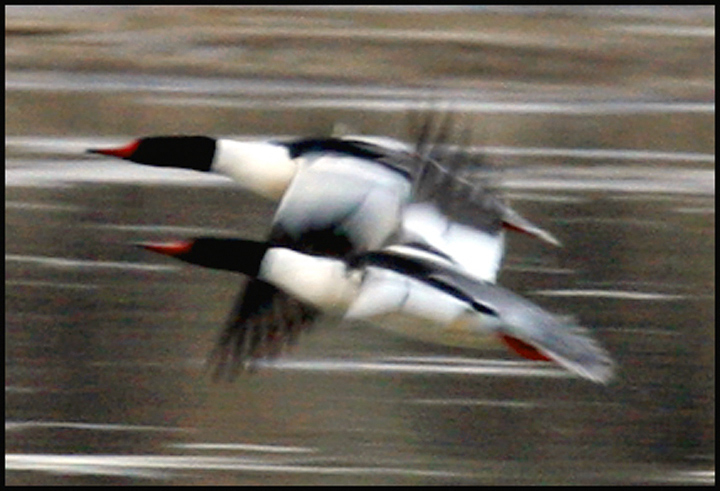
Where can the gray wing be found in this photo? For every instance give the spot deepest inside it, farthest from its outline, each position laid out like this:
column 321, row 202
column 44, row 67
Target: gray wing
column 463, row 185
column 472, row 201
column 569, row 345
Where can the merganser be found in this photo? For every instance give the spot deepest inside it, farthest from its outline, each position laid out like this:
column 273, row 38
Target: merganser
column 339, row 197
column 404, row 289
column 317, row 174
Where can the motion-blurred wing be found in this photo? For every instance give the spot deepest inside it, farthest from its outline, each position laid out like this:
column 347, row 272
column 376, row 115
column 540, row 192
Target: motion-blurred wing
column 463, row 186
column 263, row 322
column 568, row 345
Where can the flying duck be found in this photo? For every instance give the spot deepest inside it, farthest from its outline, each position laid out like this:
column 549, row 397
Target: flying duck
column 405, row 289
column 340, row 197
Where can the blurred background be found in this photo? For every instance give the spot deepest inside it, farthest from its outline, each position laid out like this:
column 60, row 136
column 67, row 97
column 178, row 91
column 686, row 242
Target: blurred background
column 602, row 120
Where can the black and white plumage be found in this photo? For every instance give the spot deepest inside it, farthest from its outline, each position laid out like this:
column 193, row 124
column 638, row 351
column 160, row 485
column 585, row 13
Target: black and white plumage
column 406, row 290
column 341, row 197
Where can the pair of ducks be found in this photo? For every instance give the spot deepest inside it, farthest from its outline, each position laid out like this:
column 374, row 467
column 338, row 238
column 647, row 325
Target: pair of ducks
column 371, row 229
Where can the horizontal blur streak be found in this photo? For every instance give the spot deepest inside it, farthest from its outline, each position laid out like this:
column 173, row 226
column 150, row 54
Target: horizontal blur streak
column 167, row 229
column 161, row 467
column 243, row 447
column 622, row 295
column 497, row 368
column 139, row 465
column 393, row 105
column 50, row 284
column 61, row 262
column 28, row 425
column 40, row 207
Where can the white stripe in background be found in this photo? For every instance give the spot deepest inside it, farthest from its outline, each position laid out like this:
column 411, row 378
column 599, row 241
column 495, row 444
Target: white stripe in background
column 246, row 447
column 60, row 262
column 626, row 295
column 160, row 465
column 24, row 425
column 513, row 369
column 51, row 284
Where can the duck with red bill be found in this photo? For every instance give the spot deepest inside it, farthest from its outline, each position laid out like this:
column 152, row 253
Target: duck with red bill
column 410, row 291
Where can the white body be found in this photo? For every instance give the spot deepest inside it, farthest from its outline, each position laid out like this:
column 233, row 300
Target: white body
column 477, row 252
column 366, row 199
column 323, row 282
column 388, row 299
column 425, row 309
column 369, row 202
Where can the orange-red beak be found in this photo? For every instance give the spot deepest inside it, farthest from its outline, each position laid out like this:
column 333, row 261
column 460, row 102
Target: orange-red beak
column 175, row 248
column 124, row 152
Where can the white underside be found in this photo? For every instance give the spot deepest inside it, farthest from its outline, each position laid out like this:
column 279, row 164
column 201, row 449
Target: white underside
column 390, row 300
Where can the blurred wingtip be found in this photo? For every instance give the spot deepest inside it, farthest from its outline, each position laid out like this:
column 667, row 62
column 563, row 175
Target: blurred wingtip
column 512, row 220
column 603, row 373
column 590, row 360
column 547, row 237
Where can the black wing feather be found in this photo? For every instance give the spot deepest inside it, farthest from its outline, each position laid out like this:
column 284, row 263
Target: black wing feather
column 262, row 323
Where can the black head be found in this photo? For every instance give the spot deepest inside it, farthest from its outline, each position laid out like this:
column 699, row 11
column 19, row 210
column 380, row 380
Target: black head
column 239, row 255
column 186, row 152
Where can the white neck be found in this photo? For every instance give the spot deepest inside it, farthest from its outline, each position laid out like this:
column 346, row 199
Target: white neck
column 261, row 167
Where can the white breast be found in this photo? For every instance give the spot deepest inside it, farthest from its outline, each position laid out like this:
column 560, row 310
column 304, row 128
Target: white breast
column 323, row 282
